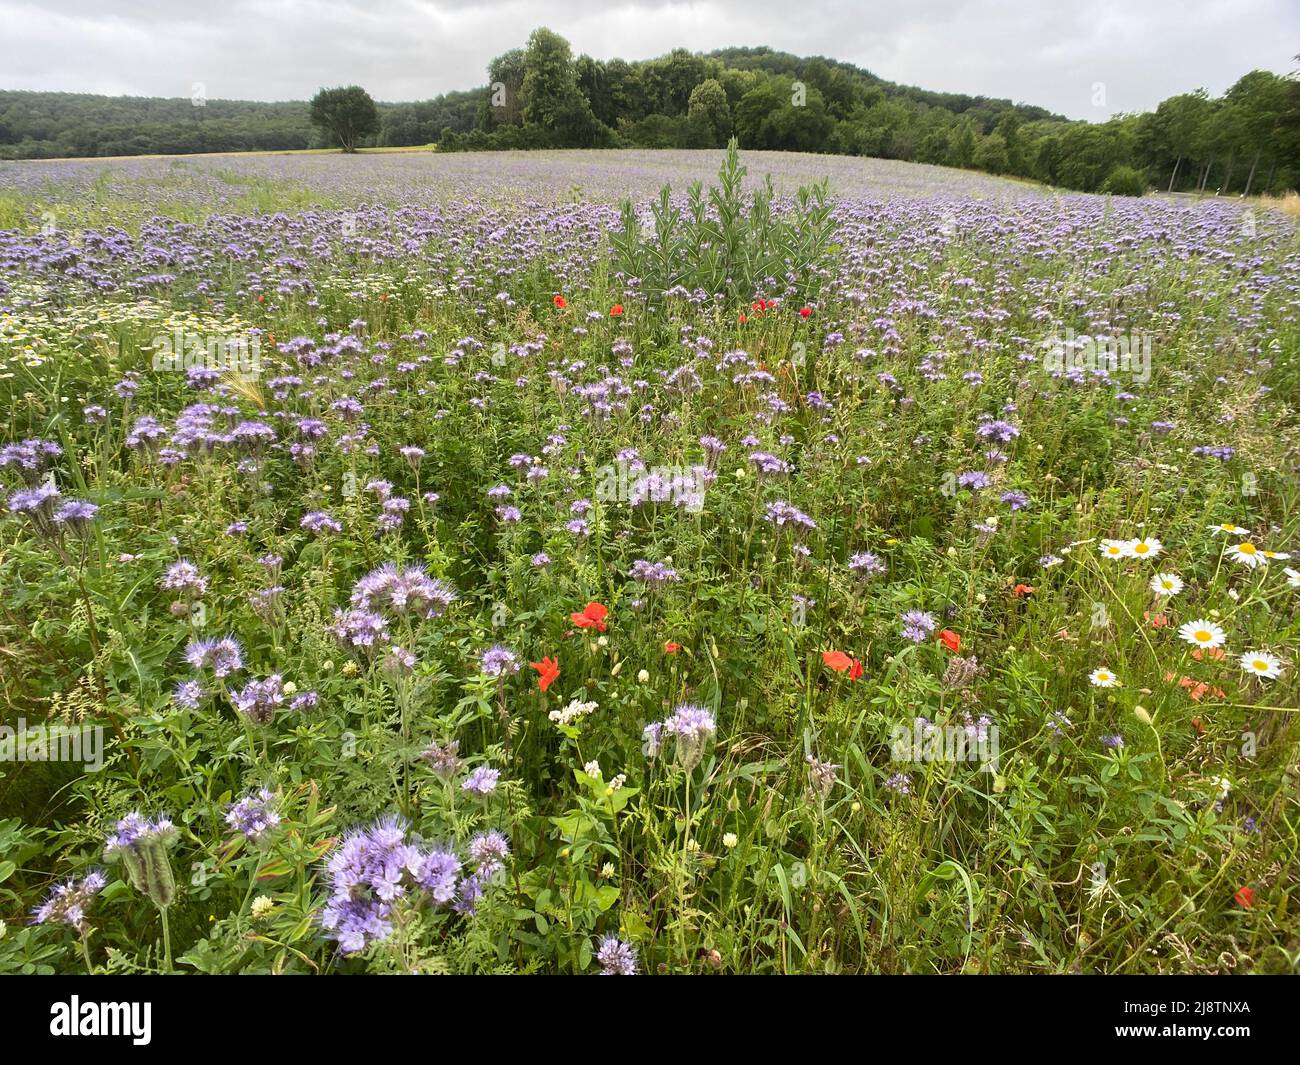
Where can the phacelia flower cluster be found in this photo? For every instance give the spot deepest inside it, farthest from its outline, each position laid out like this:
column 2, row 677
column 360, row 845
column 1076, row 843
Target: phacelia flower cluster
column 374, row 869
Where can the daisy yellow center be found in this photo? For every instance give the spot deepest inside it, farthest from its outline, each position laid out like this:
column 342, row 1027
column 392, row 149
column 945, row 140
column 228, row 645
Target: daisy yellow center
column 1202, row 636
column 1167, row 584
column 1103, row 676
column 1246, row 549
column 1113, row 550
column 1140, row 549
column 1261, row 665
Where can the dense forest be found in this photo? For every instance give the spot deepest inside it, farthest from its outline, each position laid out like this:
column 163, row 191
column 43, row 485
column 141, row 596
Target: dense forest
column 541, row 96
column 51, row 125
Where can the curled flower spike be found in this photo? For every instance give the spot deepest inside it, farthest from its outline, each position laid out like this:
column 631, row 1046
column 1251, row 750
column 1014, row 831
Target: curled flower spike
column 141, row 845
column 67, row 902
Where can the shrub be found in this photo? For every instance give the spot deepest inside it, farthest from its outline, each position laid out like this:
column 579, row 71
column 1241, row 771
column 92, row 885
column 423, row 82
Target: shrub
column 726, row 246
column 1125, row 181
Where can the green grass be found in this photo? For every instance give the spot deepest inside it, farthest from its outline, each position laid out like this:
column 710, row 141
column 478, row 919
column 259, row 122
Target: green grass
column 1066, row 856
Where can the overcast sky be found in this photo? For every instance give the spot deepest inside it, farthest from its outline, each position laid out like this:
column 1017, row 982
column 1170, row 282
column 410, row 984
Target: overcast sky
column 1054, row 53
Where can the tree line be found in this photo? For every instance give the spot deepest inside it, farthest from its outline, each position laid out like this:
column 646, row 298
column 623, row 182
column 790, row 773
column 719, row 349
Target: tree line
column 1246, row 141
column 51, row 125
column 542, row 96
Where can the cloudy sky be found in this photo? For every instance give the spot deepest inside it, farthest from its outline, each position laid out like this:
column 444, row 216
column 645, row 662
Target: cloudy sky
column 1082, row 58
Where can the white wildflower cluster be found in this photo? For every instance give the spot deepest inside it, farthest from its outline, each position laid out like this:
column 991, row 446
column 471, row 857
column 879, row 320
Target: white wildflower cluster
column 571, row 713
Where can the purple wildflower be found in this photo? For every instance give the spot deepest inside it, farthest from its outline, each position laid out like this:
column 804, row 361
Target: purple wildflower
column 254, row 815
column 482, row 781
column 616, row 957
column 917, row 625
column 66, row 903
column 222, row 656
column 499, row 661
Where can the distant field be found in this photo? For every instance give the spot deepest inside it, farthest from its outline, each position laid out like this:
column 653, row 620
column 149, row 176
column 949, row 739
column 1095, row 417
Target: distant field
column 211, row 182
column 456, row 571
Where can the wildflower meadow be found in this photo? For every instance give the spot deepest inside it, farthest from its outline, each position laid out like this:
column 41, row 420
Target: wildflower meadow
column 635, row 562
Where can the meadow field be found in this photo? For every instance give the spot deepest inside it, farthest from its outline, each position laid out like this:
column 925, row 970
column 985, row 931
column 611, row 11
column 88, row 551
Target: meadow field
column 418, row 563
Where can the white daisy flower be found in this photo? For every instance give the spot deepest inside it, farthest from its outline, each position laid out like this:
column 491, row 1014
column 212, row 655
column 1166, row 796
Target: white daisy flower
column 1103, row 678
column 1292, row 576
column 1115, row 549
column 1147, row 547
column 1166, row 584
column 1261, row 664
column 1228, row 529
column 1203, row 633
column 1247, row 554
column 1275, row 556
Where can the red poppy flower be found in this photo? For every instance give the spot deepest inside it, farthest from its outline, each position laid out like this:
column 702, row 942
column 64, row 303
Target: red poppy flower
column 950, row 640
column 1022, row 590
column 842, row 663
column 1199, row 726
column 1245, row 897
column 744, row 319
column 769, row 304
column 616, row 310
column 805, row 312
column 560, row 302
column 671, row 648
column 592, row 617
column 1158, row 621
column 548, row 669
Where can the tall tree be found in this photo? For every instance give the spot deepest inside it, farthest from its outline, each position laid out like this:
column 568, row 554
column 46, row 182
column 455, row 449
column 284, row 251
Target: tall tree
column 345, row 115
column 625, row 93
column 961, row 144
column 552, row 100
column 1258, row 101
column 504, row 103
column 1172, row 134
column 670, row 79
column 708, row 104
